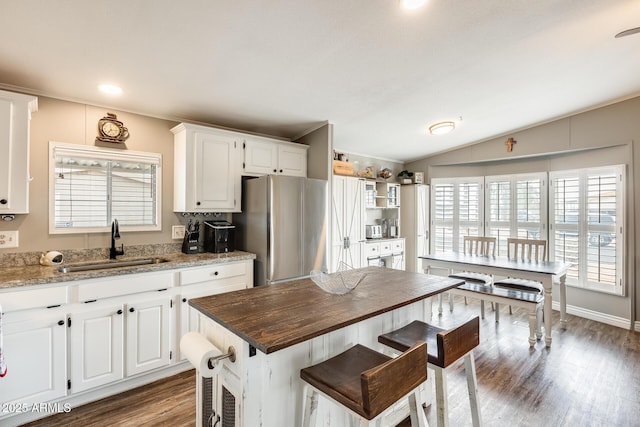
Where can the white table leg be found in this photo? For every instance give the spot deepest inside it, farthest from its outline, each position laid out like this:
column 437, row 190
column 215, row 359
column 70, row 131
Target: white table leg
column 472, row 386
column 563, row 301
column 547, row 284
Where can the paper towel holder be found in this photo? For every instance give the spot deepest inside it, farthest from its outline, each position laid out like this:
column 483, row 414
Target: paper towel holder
column 231, row 355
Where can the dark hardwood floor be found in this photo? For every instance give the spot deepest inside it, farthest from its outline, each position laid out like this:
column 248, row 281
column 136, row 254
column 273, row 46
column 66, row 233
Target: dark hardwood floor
column 589, row 377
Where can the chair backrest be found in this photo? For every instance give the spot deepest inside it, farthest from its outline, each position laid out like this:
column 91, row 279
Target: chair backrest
column 527, row 249
column 385, row 384
column 478, row 245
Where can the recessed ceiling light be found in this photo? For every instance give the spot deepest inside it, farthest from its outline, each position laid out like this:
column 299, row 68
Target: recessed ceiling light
column 110, row 89
column 413, row 4
column 441, row 128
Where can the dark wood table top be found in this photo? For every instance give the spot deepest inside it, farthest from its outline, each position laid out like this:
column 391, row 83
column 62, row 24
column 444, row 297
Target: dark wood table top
column 277, row 316
column 542, row 267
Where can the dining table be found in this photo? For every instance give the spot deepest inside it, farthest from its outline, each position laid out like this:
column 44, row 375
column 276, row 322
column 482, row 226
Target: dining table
column 545, row 272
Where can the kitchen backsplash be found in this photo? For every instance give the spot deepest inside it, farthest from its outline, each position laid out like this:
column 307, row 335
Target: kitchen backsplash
column 19, row 259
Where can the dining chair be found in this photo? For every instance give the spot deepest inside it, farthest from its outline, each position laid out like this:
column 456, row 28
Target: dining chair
column 477, row 245
column 525, row 250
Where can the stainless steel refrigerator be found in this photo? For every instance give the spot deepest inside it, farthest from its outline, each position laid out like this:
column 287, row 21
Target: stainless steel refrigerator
column 283, row 222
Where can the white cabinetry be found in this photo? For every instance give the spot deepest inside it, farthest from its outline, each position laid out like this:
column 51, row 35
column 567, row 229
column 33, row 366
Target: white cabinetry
column 386, row 253
column 15, row 115
column 207, row 169
column 347, row 226
column 96, row 353
column 148, row 336
column 35, row 349
column 415, row 223
column 210, row 280
column 270, row 157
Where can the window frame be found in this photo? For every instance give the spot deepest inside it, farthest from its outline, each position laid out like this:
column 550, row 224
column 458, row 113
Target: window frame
column 513, row 223
column 455, row 222
column 103, row 153
column 583, row 227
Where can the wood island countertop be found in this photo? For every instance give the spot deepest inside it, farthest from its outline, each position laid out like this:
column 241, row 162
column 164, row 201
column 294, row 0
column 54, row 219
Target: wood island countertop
column 278, row 316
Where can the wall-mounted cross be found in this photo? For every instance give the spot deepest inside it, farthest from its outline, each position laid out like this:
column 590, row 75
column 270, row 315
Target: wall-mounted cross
column 509, row 143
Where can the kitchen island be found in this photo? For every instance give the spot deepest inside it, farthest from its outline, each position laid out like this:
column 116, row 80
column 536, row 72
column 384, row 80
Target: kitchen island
column 276, row 330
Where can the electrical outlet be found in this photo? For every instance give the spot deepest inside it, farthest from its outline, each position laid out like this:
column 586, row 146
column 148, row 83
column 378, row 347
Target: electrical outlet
column 177, row 232
column 9, row 239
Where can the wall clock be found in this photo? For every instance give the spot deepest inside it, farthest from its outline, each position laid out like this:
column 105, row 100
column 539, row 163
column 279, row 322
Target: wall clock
column 110, row 129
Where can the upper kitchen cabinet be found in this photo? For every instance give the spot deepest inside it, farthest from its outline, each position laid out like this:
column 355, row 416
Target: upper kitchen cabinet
column 264, row 156
column 207, row 169
column 15, row 115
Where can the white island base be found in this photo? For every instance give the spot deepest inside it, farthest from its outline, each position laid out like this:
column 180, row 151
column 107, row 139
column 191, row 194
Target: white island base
column 267, row 388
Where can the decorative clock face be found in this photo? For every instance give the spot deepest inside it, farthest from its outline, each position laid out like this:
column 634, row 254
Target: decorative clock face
column 110, row 129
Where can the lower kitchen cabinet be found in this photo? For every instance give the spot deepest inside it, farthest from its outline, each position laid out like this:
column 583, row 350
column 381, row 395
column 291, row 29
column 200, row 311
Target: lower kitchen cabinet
column 148, row 335
column 35, row 350
column 96, row 352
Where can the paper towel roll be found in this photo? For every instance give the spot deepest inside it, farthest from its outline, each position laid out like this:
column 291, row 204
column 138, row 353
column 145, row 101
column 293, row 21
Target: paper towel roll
column 198, row 351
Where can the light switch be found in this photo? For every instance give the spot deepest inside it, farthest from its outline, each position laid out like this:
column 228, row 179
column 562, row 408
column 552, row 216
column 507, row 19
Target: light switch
column 9, row 239
column 177, row 232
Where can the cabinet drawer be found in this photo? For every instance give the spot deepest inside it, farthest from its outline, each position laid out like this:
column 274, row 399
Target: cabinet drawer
column 122, row 285
column 214, row 272
column 385, row 248
column 397, row 247
column 372, row 250
column 35, row 298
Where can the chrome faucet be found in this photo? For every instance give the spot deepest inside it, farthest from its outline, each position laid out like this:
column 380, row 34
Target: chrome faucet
column 115, row 235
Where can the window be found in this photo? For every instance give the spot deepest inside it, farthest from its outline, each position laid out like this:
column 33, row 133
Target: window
column 90, row 186
column 586, row 219
column 457, row 212
column 516, row 207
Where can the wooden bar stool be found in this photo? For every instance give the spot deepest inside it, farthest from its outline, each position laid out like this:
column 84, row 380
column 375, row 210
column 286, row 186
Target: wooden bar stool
column 367, row 383
column 444, row 348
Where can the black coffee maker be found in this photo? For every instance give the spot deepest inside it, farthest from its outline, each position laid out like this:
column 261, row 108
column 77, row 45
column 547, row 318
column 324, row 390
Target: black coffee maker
column 218, row 236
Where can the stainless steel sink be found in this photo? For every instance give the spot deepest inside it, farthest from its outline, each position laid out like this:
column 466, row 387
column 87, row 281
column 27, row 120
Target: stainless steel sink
column 110, row 264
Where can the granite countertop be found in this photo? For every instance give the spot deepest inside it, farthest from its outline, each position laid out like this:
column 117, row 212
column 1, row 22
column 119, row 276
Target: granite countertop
column 29, row 275
column 277, row 316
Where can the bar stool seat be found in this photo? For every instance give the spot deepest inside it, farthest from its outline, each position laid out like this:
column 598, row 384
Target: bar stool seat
column 444, row 348
column 367, row 382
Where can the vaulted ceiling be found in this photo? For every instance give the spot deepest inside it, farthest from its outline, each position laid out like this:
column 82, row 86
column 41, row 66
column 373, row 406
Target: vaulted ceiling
column 380, row 74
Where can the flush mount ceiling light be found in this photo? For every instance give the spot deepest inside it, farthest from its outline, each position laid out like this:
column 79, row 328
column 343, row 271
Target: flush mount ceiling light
column 441, row 128
column 412, row 4
column 110, row 89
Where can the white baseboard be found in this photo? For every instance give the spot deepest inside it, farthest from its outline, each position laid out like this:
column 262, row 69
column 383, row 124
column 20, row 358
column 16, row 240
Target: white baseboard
column 619, row 322
column 636, row 327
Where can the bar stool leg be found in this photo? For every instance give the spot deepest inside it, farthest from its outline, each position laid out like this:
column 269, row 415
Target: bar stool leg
column 497, row 313
column 310, row 407
column 482, row 309
column 472, row 386
column 417, row 416
column 442, row 400
column 440, row 304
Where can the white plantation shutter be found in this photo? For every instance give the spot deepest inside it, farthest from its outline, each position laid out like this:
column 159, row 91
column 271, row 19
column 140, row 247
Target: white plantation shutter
column 516, row 207
column 457, row 211
column 586, row 226
column 91, row 187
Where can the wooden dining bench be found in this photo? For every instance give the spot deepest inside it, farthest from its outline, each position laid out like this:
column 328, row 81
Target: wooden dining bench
column 530, row 301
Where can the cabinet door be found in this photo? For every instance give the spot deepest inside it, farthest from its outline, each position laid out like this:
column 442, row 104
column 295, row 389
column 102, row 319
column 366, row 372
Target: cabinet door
column 347, row 222
column 260, row 157
column 35, row 351
column 148, row 335
column 217, row 176
column 292, row 160
column 96, row 340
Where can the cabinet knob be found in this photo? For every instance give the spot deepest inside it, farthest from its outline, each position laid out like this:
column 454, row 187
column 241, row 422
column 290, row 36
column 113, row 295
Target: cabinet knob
column 215, row 273
column 184, row 300
column 275, row 170
column 280, row 170
column 197, row 203
column 131, row 310
column 119, row 312
column 61, row 322
column 3, row 201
